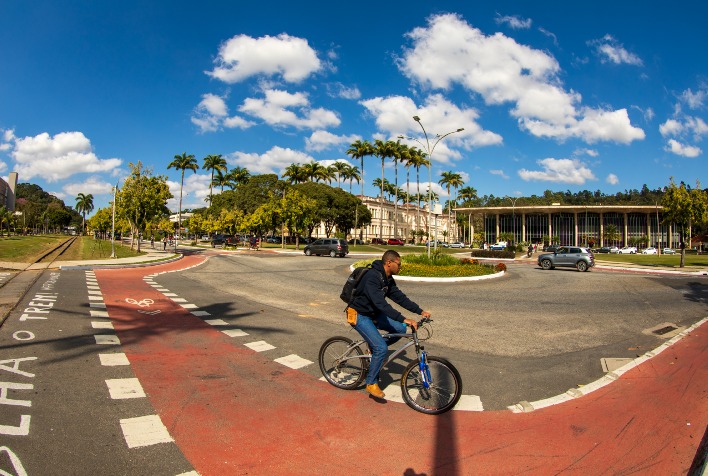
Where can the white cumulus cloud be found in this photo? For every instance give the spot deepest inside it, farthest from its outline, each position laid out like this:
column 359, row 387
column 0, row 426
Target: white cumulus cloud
column 612, row 179
column 676, row 147
column 281, row 108
column 93, row 185
column 501, row 71
column 243, row 56
column 58, row 157
column 323, row 140
column 270, row 162
column 571, row 171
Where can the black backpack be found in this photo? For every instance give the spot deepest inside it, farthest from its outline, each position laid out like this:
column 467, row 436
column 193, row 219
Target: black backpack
column 352, row 283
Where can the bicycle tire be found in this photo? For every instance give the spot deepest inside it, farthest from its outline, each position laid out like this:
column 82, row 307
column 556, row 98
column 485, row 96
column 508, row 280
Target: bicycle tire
column 442, row 395
column 348, row 374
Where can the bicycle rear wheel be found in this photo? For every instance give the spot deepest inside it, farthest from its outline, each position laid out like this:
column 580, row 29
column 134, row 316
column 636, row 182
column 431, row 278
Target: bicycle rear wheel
column 442, row 394
column 342, row 365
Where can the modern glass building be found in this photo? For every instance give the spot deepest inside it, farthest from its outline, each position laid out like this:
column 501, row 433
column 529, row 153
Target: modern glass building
column 600, row 225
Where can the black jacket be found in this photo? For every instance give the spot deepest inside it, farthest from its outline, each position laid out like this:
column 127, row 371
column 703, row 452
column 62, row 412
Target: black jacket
column 374, row 288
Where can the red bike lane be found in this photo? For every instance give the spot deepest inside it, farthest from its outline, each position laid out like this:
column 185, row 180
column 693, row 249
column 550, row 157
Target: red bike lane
column 231, row 410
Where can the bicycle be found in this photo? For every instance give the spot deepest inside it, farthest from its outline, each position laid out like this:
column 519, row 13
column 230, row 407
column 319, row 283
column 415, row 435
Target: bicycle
column 429, row 384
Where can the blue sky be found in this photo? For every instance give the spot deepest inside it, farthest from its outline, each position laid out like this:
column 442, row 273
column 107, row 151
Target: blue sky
column 552, row 95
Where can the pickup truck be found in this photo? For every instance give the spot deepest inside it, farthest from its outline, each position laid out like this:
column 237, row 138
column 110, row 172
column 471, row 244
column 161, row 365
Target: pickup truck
column 498, row 246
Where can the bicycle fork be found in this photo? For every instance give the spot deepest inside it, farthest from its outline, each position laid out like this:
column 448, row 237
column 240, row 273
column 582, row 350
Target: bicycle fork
column 424, row 369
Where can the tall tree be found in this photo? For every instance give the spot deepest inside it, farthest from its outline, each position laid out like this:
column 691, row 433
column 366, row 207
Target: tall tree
column 239, row 176
column 182, row 162
column 383, row 150
column 340, row 168
column 84, row 205
column 142, row 198
column 219, row 179
column 448, row 180
column 295, row 173
column 358, row 150
column 684, row 207
column 214, row 163
column 418, row 159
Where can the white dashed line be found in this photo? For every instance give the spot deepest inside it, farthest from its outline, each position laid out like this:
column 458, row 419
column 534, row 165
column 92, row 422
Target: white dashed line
column 107, row 339
column 144, row 431
column 99, row 313
column 170, row 294
column 260, row 346
column 177, row 299
column 216, row 322
column 123, row 388
column 113, row 360
column 95, row 298
column 293, row 361
column 200, row 313
column 470, row 403
column 235, row 333
column 102, row 325
column 95, row 292
column 97, row 304
column 189, row 306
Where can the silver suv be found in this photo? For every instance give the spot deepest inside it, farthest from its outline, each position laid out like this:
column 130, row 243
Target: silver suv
column 328, row 246
column 568, row 256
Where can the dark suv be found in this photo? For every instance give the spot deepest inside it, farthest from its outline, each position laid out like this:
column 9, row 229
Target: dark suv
column 568, row 256
column 328, row 246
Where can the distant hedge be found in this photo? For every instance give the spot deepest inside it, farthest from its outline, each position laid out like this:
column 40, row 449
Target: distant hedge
column 493, row 254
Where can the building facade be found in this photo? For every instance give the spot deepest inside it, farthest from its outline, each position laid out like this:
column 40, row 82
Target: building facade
column 7, row 191
column 576, row 225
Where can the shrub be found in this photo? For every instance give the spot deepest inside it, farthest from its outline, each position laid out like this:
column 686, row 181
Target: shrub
column 492, row 254
column 500, row 267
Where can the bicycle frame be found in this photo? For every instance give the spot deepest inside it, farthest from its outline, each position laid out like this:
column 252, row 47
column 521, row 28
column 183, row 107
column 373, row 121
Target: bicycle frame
column 421, row 354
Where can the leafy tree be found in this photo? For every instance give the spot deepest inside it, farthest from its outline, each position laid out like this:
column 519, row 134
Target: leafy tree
column 84, row 205
column 448, row 180
column 684, row 207
column 239, row 176
column 101, row 221
column 142, row 198
column 182, row 162
column 5, row 218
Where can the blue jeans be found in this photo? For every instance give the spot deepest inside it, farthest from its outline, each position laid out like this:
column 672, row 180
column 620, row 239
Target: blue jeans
column 378, row 345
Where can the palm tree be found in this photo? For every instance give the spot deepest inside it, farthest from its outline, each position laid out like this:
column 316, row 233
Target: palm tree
column 84, row 205
column 467, row 194
column 239, row 176
column 450, row 179
column 214, row 162
column 358, row 150
column 383, row 150
column 314, row 171
column 295, row 173
column 220, row 179
column 418, row 159
column 351, row 173
column 340, row 167
column 182, row 162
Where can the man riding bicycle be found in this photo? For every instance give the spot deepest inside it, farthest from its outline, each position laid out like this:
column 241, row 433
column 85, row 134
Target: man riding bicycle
column 374, row 313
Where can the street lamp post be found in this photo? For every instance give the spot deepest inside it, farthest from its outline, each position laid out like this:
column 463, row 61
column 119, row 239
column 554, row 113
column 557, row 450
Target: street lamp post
column 429, row 150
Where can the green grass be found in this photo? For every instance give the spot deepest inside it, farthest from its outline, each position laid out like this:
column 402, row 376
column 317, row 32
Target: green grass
column 444, row 266
column 653, row 260
column 26, row 249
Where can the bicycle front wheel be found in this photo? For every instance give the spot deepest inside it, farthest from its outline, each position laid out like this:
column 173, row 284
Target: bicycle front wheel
column 443, row 391
column 341, row 364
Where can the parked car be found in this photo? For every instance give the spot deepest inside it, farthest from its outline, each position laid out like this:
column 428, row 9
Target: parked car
column 668, row 251
column 551, row 248
column 220, row 240
column 568, row 256
column 614, row 250
column 396, row 241
column 628, row 250
column 457, row 244
column 604, row 249
column 433, row 243
column 328, row 246
column 649, row 251
column 378, row 241
column 356, row 241
column 498, row 246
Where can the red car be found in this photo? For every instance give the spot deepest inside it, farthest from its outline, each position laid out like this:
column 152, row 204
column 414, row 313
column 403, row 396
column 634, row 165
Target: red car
column 395, row 241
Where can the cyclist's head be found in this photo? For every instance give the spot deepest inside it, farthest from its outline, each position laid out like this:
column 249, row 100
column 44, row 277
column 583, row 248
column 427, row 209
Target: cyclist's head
column 392, row 262
column 390, row 255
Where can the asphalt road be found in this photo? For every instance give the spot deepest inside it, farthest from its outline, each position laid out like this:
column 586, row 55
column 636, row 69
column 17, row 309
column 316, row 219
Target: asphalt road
column 529, row 335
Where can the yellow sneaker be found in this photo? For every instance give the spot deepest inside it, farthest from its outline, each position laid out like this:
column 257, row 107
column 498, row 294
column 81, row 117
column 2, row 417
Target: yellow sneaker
column 374, row 390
